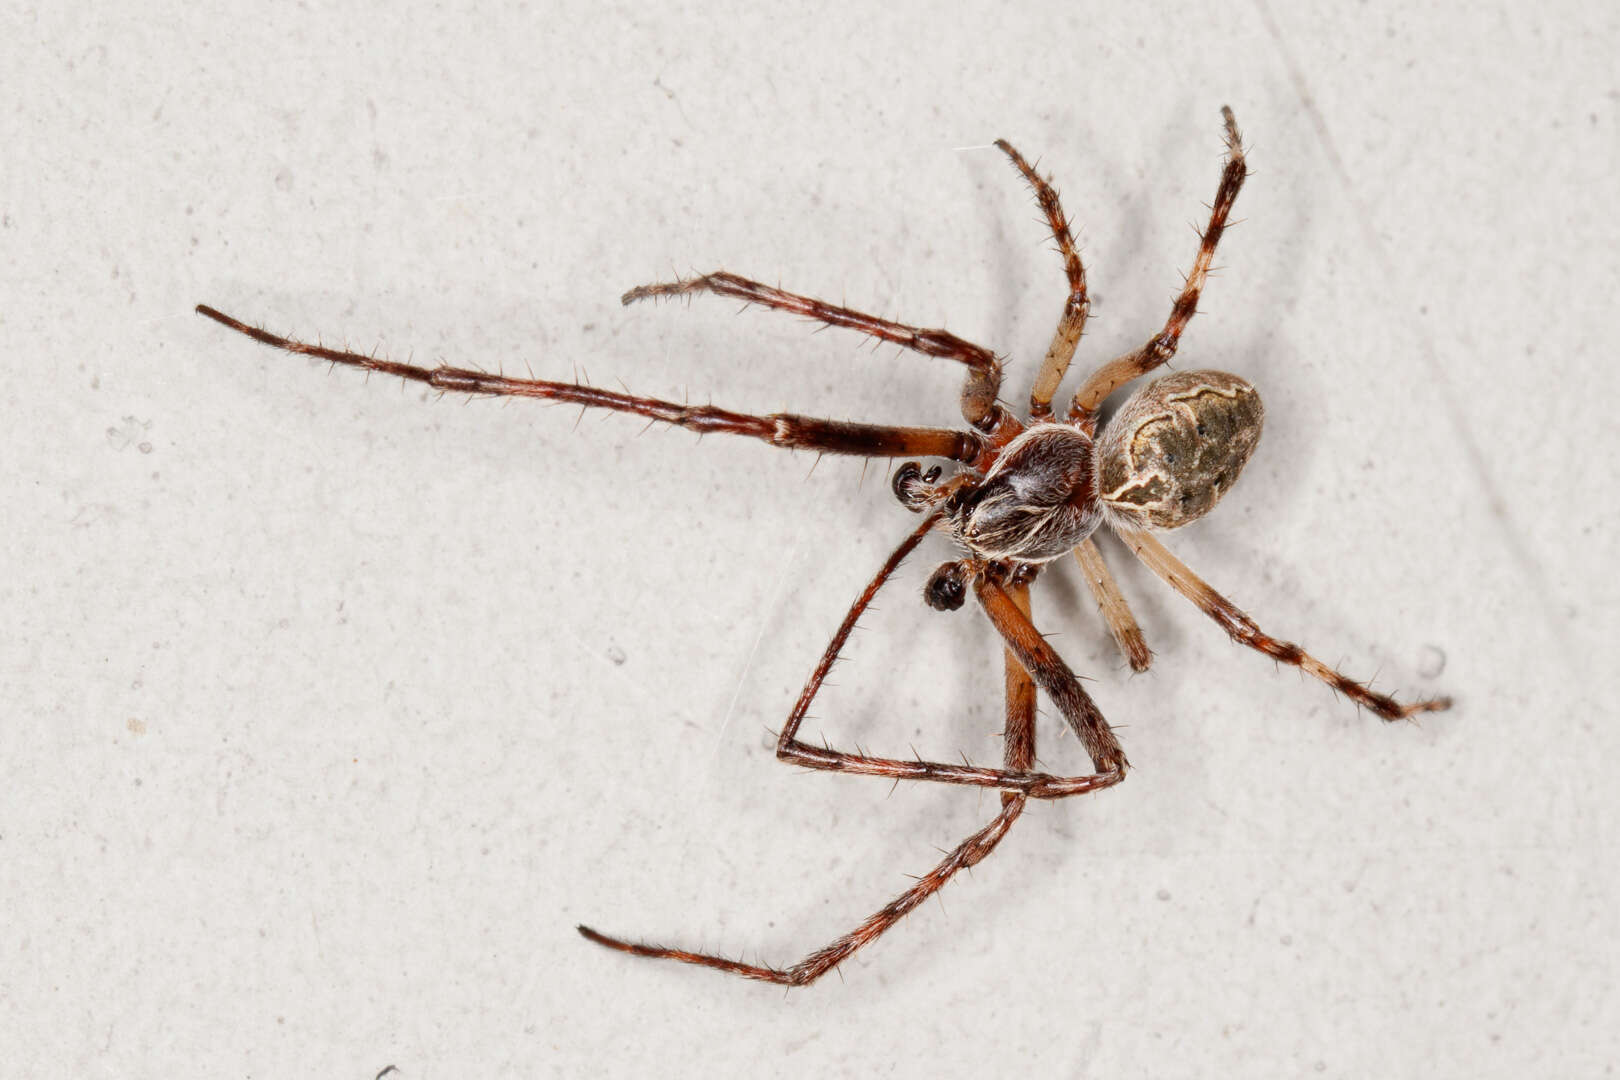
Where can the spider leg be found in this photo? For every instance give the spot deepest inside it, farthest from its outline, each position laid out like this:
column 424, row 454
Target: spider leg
column 984, row 370
column 812, row 967
column 1047, row 668
column 1019, row 737
column 1038, row 658
column 1162, row 346
column 1073, row 321
column 1111, row 602
column 779, row 429
column 1244, row 630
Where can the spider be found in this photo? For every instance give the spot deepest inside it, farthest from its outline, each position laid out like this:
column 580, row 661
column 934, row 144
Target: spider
column 1023, row 493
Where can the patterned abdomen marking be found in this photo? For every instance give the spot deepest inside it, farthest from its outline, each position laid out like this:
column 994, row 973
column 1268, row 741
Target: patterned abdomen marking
column 1177, row 446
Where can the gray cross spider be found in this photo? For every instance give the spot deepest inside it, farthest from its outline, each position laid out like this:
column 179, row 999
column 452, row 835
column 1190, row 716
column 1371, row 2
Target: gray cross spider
column 1024, row 493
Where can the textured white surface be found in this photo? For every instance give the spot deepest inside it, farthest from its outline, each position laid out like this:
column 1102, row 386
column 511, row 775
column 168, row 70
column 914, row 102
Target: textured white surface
column 330, row 709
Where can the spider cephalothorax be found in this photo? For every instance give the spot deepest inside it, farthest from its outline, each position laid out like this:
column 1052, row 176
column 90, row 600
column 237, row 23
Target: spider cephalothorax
column 1035, row 503
column 1025, row 493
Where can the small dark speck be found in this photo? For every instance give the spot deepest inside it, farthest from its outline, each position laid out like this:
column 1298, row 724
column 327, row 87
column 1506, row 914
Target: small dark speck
column 1163, row 894
column 588, row 327
column 616, row 654
column 386, row 1070
column 1321, row 1066
column 1423, row 310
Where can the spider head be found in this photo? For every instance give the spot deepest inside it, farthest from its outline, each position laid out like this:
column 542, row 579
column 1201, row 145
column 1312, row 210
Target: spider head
column 1037, row 501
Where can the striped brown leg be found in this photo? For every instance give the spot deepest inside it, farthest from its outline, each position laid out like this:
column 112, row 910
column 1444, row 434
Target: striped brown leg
column 1161, row 347
column 779, row 429
column 1244, row 631
column 1111, row 602
column 1073, row 321
column 1019, row 737
column 1043, row 663
column 984, row 370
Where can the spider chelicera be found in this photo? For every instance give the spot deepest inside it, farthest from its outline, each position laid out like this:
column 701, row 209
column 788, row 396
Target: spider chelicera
column 1024, row 493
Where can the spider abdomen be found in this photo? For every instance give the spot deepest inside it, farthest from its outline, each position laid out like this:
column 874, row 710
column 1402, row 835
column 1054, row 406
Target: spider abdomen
column 1037, row 502
column 1176, row 446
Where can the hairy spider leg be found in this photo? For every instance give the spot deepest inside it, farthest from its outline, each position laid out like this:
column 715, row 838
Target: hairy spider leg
column 1073, row 321
column 1111, row 602
column 786, row 430
column 979, row 389
column 1065, row 339
column 1162, row 346
column 1018, row 734
column 1019, row 742
column 969, row 853
column 1049, row 671
column 1244, row 630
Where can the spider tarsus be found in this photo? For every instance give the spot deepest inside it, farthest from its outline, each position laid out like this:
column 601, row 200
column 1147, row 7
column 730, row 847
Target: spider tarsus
column 1407, row 712
column 610, row 942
